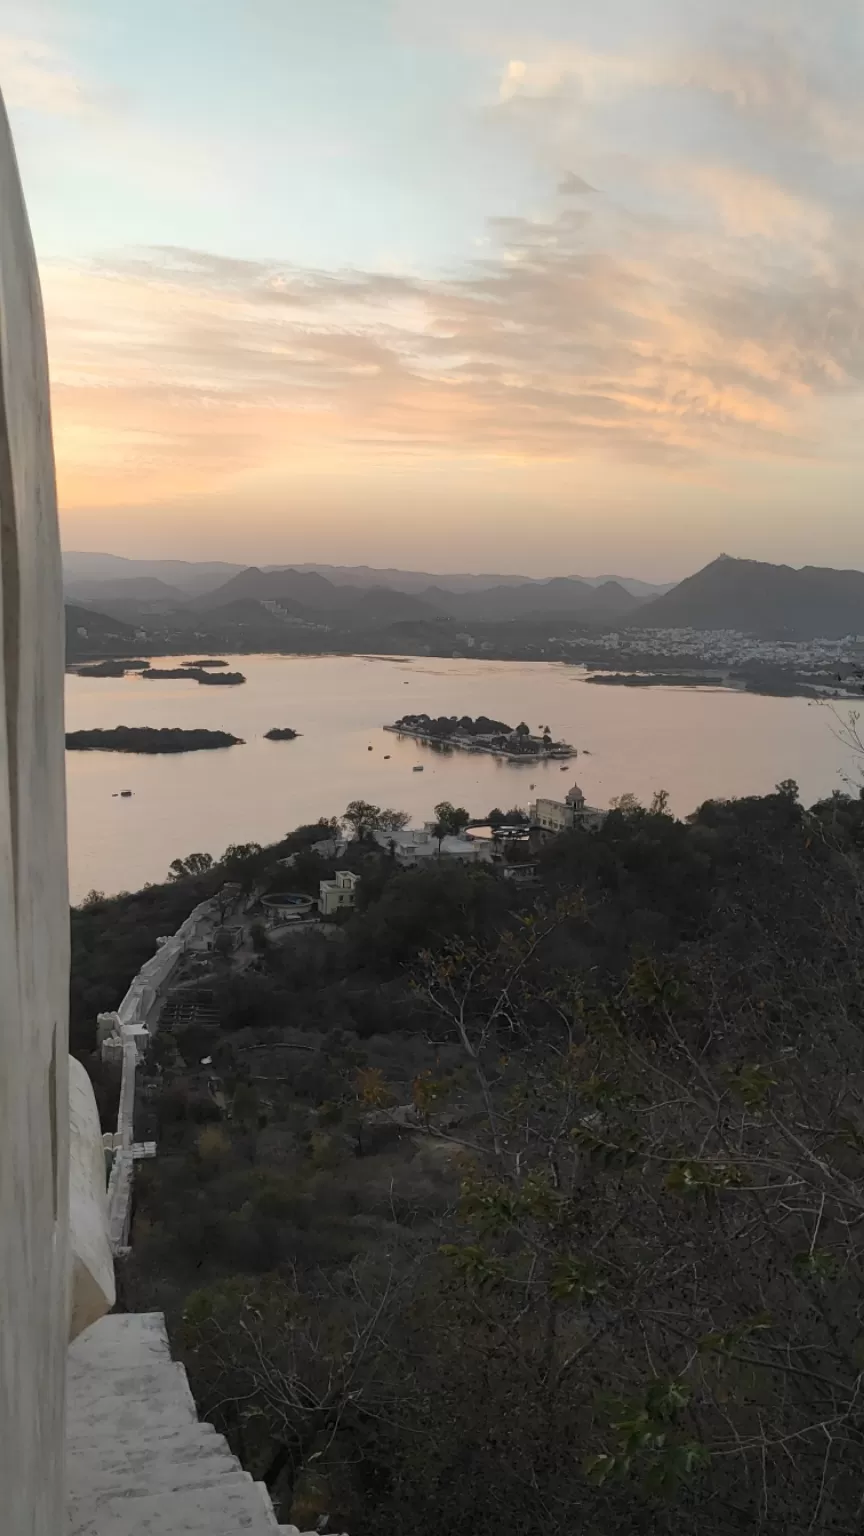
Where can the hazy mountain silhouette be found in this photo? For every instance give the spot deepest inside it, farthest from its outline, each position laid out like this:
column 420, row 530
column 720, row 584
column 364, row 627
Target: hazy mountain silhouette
column 758, row 598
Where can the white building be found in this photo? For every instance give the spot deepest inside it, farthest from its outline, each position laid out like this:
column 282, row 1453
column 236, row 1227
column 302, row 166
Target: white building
column 338, row 894
column 413, row 846
column 555, row 816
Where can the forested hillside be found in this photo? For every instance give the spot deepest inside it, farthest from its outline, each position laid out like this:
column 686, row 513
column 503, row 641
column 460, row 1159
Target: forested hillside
column 531, row 1211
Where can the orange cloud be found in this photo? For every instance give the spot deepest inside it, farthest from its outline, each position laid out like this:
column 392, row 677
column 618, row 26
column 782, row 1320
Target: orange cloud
column 584, row 334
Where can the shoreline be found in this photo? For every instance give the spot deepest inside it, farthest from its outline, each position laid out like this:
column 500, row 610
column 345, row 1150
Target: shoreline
column 785, row 684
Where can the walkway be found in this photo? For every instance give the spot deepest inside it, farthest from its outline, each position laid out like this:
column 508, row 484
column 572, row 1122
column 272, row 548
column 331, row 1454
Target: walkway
column 139, row 1463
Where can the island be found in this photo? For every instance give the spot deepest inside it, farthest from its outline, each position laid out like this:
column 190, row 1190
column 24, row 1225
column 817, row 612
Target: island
column 205, row 663
column 483, row 735
column 657, row 679
column 111, row 668
column 103, row 669
column 281, row 733
column 145, row 738
column 223, row 679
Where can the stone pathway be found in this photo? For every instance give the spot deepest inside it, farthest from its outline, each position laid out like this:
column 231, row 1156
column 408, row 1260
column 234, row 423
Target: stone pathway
column 139, row 1463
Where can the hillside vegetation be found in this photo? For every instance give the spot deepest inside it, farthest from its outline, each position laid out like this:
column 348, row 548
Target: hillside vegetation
column 526, row 1211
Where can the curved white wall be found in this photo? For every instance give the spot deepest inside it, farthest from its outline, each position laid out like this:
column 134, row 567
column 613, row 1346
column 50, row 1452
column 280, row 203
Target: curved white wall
column 34, row 905
column 92, row 1268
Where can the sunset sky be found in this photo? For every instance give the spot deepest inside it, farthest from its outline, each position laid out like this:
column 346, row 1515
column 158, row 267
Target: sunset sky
column 516, row 285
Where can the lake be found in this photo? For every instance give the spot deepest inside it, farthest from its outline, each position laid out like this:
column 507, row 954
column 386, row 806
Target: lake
column 696, row 743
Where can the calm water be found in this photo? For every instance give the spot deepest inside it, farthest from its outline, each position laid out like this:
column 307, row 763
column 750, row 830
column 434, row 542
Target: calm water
column 694, row 743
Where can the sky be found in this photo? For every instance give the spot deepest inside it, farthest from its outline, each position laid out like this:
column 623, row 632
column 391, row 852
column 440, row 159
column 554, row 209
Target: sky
column 518, row 285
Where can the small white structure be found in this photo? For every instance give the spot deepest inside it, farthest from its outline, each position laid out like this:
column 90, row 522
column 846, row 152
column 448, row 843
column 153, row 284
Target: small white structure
column 563, row 815
column 520, row 874
column 287, row 907
column 338, row 894
column 414, row 846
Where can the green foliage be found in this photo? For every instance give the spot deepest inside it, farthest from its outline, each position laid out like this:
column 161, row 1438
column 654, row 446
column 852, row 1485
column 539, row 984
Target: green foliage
column 450, row 820
column 565, row 1234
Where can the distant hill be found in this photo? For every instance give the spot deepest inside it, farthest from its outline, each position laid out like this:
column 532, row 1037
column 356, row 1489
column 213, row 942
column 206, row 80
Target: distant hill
column 352, row 606
column 95, row 623
column 758, row 598
column 195, row 577
column 90, row 633
column 560, row 596
column 421, row 581
column 189, row 575
column 313, row 591
column 148, row 589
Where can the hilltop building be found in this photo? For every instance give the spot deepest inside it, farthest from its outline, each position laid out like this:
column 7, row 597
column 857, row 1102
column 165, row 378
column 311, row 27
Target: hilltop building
column 338, row 894
column 415, row 846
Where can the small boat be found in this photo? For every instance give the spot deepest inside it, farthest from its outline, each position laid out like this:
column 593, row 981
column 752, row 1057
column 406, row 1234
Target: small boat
column 368, row 749
column 418, row 767
column 386, row 757
column 125, row 794
column 564, row 769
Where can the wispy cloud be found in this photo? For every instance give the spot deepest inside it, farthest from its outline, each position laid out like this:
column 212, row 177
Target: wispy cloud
column 34, row 78
column 557, row 344
column 688, row 292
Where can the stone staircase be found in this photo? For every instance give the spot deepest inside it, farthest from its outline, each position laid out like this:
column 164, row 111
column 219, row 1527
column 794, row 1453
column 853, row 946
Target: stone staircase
column 139, row 1463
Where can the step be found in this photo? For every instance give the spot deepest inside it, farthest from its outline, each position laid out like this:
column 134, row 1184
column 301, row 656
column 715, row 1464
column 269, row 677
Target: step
column 99, row 1469
column 233, row 1509
column 122, row 1339
column 103, row 1436
column 157, row 1396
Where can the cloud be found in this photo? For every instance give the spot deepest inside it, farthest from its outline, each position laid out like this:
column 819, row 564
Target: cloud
column 35, row 79
column 174, row 369
column 707, row 307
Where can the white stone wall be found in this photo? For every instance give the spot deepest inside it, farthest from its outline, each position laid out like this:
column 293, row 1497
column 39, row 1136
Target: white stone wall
column 92, row 1277
column 119, row 1036
column 34, row 906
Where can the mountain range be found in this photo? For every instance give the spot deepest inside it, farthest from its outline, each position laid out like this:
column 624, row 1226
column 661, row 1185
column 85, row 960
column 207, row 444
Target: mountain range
column 95, row 573
column 306, row 593
column 269, row 604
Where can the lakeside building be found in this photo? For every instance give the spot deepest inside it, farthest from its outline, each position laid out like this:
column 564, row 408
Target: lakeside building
column 553, row 816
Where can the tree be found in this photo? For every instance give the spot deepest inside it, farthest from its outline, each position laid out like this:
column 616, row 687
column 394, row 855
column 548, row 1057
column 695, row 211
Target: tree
column 362, row 818
column 242, row 861
column 628, row 804
column 450, row 821
column 393, row 821
column 282, row 1367
column 522, row 729
column 194, row 864
column 258, row 936
column 687, row 1125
